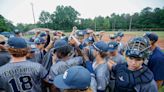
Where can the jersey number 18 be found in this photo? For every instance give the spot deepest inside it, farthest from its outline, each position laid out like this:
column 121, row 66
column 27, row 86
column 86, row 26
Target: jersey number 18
column 25, row 81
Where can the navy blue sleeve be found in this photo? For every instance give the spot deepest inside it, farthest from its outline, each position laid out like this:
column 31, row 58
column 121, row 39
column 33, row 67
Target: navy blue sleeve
column 89, row 66
column 81, row 46
column 156, row 64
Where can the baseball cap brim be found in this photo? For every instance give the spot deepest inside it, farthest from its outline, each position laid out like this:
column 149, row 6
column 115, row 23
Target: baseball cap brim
column 59, row 82
column 112, row 50
column 34, row 49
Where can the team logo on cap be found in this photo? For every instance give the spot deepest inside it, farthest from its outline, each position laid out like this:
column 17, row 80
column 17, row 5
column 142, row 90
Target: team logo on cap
column 33, row 46
column 80, row 33
column 111, row 46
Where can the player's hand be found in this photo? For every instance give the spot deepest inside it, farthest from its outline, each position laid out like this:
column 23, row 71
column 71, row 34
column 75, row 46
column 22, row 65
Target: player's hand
column 86, row 49
column 37, row 33
column 77, row 43
column 50, row 45
column 84, row 52
column 71, row 41
column 3, row 47
column 110, row 64
column 74, row 28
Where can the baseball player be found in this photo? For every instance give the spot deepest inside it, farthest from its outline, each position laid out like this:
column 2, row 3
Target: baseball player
column 114, row 55
column 100, row 67
column 21, row 75
column 133, row 76
column 156, row 59
column 40, row 42
column 31, row 56
column 75, row 79
column 4, row 55
column 62, row 59
column 119, row 36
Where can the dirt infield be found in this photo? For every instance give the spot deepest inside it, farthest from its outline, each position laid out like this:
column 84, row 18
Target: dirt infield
column 129, row 36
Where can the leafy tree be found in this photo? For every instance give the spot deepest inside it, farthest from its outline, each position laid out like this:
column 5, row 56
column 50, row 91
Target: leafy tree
column 102, row 23
column 65, row 17
column 25, row 27
column 45, row 18
column 5, row 25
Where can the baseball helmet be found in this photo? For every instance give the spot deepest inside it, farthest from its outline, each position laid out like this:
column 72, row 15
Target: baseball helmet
column 138, row 47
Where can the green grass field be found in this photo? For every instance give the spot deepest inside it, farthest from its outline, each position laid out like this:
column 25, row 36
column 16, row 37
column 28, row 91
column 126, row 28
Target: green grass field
column 140, row 33
column 161, row 89
column 28, row 36
column 136, row 33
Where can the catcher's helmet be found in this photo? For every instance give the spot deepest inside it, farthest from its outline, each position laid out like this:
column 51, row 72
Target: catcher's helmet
column 138, row 47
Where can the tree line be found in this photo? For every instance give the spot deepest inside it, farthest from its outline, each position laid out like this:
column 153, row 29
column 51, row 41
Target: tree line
column 5, row 25
column 65, row 17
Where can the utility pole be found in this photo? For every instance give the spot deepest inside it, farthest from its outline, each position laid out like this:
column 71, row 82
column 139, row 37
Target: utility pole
column 33, row 12
column 95, row 24
column 108, row 25
column 130, row 24
column 114, row 24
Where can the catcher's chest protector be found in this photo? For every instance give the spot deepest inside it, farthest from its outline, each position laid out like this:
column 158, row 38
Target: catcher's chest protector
column 126, row 80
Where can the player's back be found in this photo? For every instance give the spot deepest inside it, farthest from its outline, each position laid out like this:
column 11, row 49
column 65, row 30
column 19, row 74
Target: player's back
column 22, row 76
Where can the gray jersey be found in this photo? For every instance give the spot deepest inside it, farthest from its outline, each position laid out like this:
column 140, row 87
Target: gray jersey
column 118, row 59
column 147, row 87
column 121, row 48
column 24, row 76
column 39, row 56
column 102, row 75
column 61, row 66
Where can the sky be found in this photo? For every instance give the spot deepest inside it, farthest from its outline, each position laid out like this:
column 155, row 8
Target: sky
column 20, row 11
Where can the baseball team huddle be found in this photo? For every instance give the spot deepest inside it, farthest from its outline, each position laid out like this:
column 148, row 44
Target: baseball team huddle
column 83, row 61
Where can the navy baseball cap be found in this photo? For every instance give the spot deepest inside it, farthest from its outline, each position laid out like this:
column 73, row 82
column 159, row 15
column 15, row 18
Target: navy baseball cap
column 43, row 34
column 88, row 31
column 60, row 43
column 120, row 34
column 16, row 31
column 112, row 46
column 76, row 77
column 65, row 38
column 100, row 46
column 32, row 46
column 152, row 36
column 81, row 32
column 89, row 39
column 17, row 42
column 39, row 40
